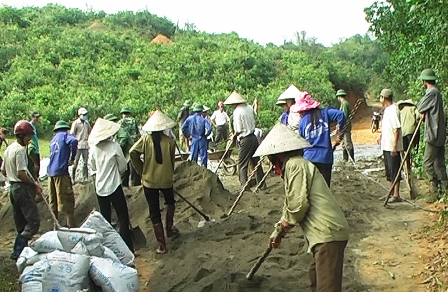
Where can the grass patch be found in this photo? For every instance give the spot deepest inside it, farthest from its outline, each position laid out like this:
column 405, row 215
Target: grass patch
column 44, row 144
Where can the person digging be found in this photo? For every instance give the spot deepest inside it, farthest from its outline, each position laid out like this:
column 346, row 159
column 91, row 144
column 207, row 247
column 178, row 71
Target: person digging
column 63, row 148
column 157, row 171
column 310, row 204
column 23, row 190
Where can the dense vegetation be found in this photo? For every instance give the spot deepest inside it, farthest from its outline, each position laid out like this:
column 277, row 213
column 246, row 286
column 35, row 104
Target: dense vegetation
column 51, row 60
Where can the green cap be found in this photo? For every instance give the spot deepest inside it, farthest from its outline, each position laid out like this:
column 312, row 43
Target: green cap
column 341, row 92
column 428, row 74
column 187, row 103
column 61, row 125
column 198, row 108
column 386, row 93
column 111, row 117
column 125, row 110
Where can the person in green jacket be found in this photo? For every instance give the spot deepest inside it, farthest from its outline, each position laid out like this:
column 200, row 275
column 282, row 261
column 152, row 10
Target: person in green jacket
column 347, row 144
column 409, row 117
column 130, row 124
column 157, row 171
column 310, row 204
column 34, row 148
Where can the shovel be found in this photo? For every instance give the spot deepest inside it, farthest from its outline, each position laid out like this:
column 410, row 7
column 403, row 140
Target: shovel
column 207, row 218
column 138, row 238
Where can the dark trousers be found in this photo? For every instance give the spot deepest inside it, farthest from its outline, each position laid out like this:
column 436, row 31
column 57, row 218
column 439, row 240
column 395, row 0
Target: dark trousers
column 152, row 197
column 24, row 209
column 134, row 176
column 222, row 133
column 326, row 268
column 325, row 170
column 434, row 162
column 85, row 158
column 248, row 146
column 118, row 201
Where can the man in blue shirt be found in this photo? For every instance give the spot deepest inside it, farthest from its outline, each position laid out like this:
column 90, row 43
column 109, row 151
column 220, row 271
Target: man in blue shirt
column 63, row 147
column 197, row 129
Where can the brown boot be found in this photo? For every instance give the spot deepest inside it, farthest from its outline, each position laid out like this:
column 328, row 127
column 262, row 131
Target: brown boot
column 171, row 230
column 160, row 237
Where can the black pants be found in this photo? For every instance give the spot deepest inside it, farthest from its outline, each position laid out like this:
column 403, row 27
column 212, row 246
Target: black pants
column 117, row 200
column 325, row 170
column 222, row 133
column 152, row 196
column 135, row 177
column 24, row 209
column 248, row 146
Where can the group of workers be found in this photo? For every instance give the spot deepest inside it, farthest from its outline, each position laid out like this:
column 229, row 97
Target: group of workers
column 299, row 148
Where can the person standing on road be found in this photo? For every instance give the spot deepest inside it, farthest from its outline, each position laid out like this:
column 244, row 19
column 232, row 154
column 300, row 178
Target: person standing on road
column 81, row 129
column 183, row 114
column 347, row 144
column 157, row 170
column 431, row 110
column 244, row 127
column 391, row 141
column 63, row 148
column 310, row 204
column 220, row 121
column 131, row 126
column 314, row 126
column 33, row 148
column 107, row 162
column 409, row 118
column 197, row 129
column 24, row 191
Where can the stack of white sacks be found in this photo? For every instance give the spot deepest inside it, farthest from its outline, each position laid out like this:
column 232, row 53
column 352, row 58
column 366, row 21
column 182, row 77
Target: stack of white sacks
column 71, row 259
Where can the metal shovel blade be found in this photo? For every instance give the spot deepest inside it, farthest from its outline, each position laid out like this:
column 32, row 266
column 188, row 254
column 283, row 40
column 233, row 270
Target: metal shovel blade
column 138, row 238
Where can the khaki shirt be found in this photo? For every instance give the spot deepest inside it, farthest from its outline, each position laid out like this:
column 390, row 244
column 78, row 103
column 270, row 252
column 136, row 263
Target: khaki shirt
column 409, row 116
column 81, row 131
column 154, row 175
column 310, row 203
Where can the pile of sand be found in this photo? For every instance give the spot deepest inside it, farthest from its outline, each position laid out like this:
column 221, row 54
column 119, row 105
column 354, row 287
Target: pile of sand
column 161, row 39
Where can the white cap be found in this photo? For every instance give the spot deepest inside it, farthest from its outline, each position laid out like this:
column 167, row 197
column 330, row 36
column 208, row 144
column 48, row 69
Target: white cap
column 82, row 111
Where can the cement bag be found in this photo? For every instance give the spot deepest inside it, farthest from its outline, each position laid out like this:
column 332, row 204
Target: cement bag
column 109, row 254
column 113, row 276
column 92, row 240
column 80, row 248
column 25, row 255
column 61, row 271
column 48, row 242
column 112, row 239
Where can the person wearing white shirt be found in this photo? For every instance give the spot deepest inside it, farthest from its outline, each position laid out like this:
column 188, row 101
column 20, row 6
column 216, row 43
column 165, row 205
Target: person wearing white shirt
column 391, row 141
column 219, row 120
column 244, row 127
column 108, row 164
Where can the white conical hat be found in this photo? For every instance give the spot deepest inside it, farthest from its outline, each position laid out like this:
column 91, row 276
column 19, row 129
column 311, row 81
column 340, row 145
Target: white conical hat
column 158, row 122
column 234, row 98
column 102, row 130
column 280, row 102
column 281, row 139
column 291, row 93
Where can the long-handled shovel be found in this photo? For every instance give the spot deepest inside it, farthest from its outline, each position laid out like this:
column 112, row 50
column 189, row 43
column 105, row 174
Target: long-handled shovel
column 229, row 145
column 192, row 206
column 408, row 151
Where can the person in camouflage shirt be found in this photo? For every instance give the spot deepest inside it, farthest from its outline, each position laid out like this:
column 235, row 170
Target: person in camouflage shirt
column 33, row 148
column 129, row 125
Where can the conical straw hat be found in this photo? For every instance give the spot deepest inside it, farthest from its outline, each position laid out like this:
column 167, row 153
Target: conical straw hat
column 158, row 122
column 291, row 93
column 281, row 139
column 235, row 98
column 102, row 130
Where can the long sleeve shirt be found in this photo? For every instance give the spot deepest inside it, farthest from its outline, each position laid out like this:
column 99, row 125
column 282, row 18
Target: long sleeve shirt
column 81, row 130
column 107, row 161
column 310, row 203
column 244, row 120
column 345, row 108
column 409, row 117
column 63, row 147
column 154, row 175
column 196, row 127
column 319, row 136
column 125, row 141
column 435, row 124
column 33, row 148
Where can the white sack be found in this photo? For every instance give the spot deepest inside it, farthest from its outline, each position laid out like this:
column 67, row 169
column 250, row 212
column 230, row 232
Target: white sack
column 48, row 242
column 113, row 276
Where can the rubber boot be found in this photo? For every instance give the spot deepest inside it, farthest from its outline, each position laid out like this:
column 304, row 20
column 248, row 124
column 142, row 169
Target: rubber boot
column 352, row 153
column 345, row 154
column 160, row 237
column 19, row 244
column 171, row 230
